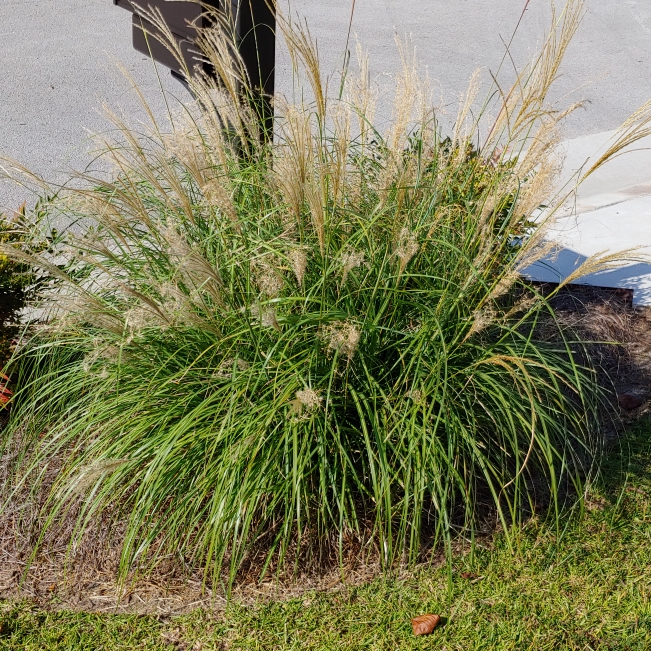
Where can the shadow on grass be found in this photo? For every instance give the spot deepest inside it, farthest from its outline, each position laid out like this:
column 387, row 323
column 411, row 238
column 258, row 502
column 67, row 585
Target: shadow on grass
column 627, row 466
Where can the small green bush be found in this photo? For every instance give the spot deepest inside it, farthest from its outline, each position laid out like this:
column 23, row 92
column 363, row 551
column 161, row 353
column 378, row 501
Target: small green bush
column 18, row 279
column 294, row 350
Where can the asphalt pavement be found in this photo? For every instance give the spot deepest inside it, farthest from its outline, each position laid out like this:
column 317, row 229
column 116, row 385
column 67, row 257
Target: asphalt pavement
column 58, row 63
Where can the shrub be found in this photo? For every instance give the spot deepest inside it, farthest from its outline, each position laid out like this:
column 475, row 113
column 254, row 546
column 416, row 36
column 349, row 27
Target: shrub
column 317, row 344
column 19, row 281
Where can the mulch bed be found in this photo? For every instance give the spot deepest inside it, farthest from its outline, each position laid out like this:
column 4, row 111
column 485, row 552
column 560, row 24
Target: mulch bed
column 619, row 346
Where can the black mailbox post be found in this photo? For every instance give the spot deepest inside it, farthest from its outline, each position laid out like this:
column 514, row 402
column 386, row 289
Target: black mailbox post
column 255, row 32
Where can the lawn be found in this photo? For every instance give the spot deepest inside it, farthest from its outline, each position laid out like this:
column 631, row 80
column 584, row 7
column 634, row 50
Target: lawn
column 587, row 587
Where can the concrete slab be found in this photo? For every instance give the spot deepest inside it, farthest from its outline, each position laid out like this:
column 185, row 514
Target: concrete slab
column 610, row 213
column 626, row 177
column 624, row 226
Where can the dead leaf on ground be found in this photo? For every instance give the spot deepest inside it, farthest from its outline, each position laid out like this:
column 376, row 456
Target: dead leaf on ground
column 5, row 393
column 425, row 624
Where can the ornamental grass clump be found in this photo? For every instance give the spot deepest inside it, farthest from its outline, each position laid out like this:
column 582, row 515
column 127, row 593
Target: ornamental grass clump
column 286, row 350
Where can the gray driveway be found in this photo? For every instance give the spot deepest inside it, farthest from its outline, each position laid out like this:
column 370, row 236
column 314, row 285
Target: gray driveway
column 58, row 63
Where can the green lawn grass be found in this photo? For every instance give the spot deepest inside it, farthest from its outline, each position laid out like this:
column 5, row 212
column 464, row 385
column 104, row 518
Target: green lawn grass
column 588, row 587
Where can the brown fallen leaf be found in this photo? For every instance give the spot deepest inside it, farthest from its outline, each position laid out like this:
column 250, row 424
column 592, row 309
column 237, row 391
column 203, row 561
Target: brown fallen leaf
column 468, row 575
column 628, row 401
column 5, row 393
column 425, row 624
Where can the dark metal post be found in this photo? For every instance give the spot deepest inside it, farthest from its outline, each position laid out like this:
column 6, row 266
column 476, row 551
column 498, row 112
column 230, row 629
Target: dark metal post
column 256, row 29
